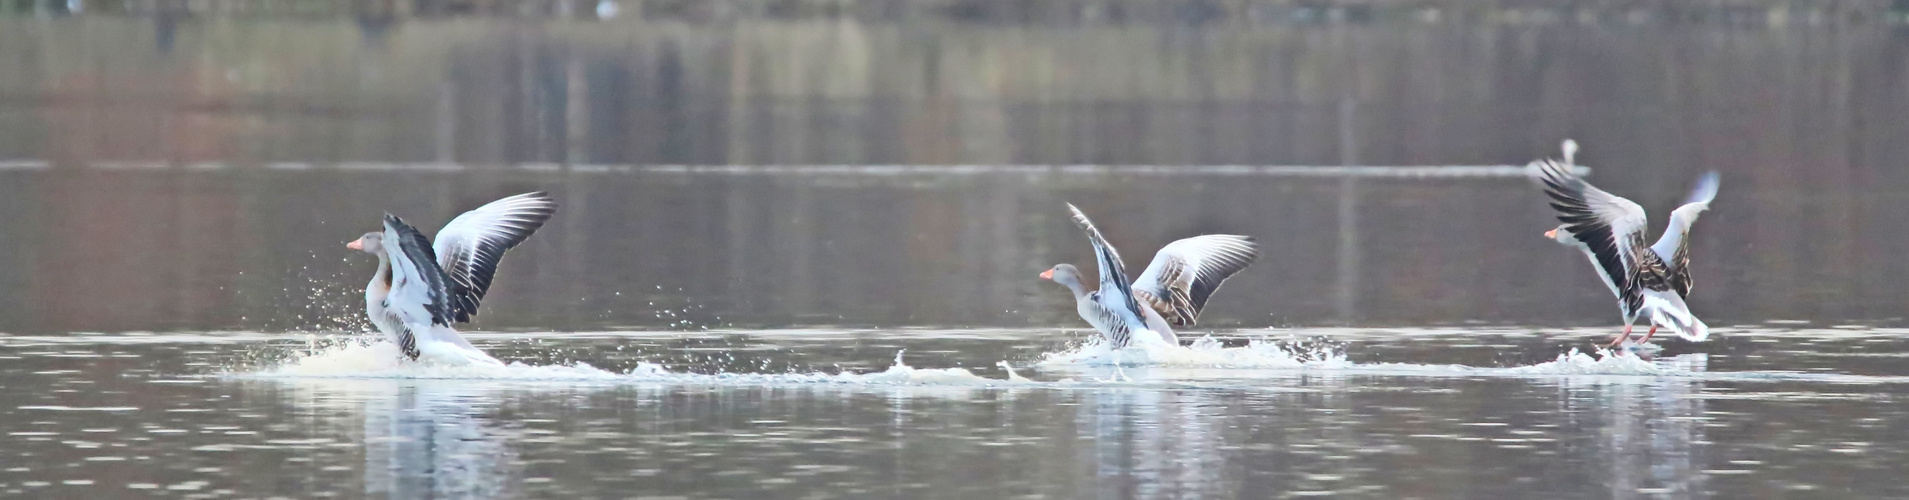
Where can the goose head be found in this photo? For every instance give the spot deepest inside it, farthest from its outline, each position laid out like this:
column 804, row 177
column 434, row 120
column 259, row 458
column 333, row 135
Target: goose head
column 371, row 243
column 1563, row 236
column 1067, row 276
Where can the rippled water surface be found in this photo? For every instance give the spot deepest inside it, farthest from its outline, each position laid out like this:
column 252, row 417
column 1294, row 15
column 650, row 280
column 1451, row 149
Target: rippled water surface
column 961, row 413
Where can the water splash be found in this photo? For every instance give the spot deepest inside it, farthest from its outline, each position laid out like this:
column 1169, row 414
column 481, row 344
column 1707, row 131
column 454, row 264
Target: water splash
column 1604, row 362
column 382, row 360
column 1571, row 363
column 1315, row 355
column 1090, row 365
column 1204, row 353
column 331, row 299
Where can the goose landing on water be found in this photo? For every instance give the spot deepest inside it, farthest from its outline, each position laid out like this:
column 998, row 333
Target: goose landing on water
column 1169, row 293
column 422, row 288
column 1649, row 281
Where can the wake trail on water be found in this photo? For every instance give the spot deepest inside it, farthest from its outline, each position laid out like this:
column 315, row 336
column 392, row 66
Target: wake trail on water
column 382, row 360
column 1258, row 354
column 1092, row 365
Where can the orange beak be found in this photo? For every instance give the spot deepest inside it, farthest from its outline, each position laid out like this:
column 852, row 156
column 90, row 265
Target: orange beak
column 357, row 244
column 1553, row 234
column 1048, row 274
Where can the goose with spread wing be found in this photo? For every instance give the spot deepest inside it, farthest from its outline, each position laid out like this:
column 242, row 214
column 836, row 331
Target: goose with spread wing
column 422, row 288
column 1170, row 292
column 1649, row 281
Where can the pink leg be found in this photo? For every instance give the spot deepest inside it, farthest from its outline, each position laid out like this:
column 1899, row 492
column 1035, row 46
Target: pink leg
column 1653, row 331
column 1620, row 338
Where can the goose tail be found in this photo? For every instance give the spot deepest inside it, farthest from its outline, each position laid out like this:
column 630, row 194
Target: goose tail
column 1669, row 311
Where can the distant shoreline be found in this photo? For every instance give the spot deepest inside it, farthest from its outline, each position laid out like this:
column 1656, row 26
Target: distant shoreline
column 1047, row 12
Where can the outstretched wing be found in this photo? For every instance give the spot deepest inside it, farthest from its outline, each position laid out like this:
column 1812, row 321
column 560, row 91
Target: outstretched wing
column 1610, row 226
column 469, row 247
column 1674, row 246
column 1184, row 273
column 1115, row 294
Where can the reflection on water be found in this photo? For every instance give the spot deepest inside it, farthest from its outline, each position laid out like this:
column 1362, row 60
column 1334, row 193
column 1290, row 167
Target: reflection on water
column 1389, row 422
column 1152, row 444
column 421, row 438
column 426, row 440
column 1651, row 435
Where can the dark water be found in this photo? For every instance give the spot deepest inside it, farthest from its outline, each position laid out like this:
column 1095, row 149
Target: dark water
column 261, row 249
column 1800, row 116
column 167, row 168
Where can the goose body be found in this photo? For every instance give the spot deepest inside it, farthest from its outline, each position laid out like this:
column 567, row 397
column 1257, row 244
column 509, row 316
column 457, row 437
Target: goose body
column 421, row 289
column 1170, row 292
column 1651, row 281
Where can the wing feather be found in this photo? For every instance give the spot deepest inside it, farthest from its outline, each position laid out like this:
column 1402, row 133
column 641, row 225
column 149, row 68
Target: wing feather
column 1106, row 318
column 1113, row 278
column 1610, row 226
column 419, row 292
column 1674, row 246
column 407, row 342
column 469, row 247
column 1185, row 273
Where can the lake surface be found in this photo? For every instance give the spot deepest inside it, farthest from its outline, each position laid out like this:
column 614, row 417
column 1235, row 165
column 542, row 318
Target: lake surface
column 797, row 247
column 1375, row 413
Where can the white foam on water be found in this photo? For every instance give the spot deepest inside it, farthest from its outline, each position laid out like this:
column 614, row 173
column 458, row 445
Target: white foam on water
column 1204, row 353
column 1207, row 360
column 1571, row 363
column 1263, row 354
column 1094, row 364
column 1603, row 362
column 901, row 373
column 382, row 360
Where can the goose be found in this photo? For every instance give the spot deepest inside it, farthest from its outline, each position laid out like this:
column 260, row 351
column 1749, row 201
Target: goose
column 1170, row 292
column 421, row 289
column 1649, row 281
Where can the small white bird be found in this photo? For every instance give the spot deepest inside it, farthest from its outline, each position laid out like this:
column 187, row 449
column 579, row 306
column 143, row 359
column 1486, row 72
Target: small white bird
column 1173, row 289
column 1649, row 281
column 421, row 288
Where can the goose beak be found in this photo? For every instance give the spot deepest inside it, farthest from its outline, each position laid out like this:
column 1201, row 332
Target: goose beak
column 1552, row 234
column 1048, row 274
column 357, row 244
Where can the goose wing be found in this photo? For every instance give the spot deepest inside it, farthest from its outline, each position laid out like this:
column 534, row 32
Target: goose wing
column 1107, row 319
column 1611, row 227
column 419, row 298
column 469, row 247
column 1185, row 273
column 1115, row 295
column 1674, row 246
